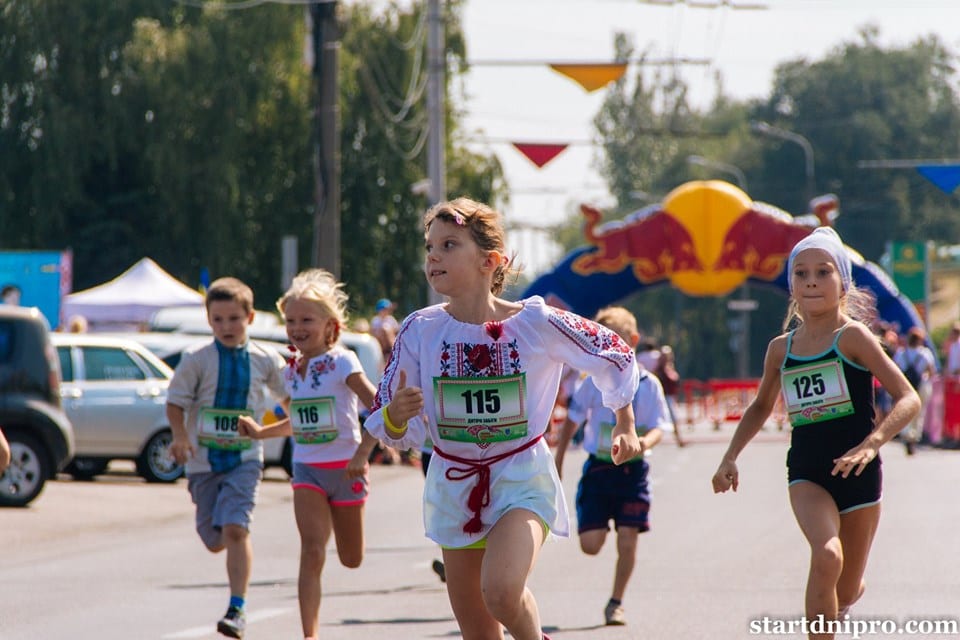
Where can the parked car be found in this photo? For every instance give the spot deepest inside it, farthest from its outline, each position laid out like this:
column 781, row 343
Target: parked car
column 169, row 347
column 115, row 392
column 265, row 326
column 277, row 452
column 38, row 430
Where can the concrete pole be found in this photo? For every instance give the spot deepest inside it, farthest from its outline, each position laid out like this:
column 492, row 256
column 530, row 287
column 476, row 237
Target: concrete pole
column 436, row 136
column 326, row 217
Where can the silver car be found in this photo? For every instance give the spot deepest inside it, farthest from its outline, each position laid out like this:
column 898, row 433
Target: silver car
column 114, row 391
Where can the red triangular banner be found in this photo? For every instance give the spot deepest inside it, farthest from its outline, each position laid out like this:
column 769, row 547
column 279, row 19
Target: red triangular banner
column 539, row 153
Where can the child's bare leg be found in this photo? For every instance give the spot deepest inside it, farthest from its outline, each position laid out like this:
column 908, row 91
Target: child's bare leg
column 817, row 515
column 591, row 542
column 236, row 540
column 463, row 568
column 626, row 559
column 857, row 529
column 512, row 548
column 312, row 512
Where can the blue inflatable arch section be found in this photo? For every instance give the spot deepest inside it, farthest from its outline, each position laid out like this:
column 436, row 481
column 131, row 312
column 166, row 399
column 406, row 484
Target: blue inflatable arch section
column 586, row 295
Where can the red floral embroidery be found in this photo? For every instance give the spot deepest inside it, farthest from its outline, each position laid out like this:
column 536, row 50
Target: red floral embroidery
column 292, row 360
column 494, row 329
column 479, row 356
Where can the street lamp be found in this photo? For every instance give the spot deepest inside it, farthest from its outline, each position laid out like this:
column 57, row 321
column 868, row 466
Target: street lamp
column 767, row 129
column 733, row 170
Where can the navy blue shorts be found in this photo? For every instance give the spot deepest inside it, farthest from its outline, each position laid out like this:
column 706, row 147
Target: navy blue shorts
column 610, row 492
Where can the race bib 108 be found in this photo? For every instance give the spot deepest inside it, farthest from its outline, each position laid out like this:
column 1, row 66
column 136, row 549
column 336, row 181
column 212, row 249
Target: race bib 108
column 219, row 430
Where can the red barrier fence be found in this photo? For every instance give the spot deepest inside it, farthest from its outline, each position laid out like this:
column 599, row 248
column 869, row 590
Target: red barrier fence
column 721, row 400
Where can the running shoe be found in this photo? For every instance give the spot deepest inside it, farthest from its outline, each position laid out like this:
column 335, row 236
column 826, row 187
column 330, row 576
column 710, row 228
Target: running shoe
column 613, row 613
column 233, row 623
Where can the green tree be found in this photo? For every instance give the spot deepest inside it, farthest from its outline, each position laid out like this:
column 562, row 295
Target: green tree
column 183, row 132
column 864, row 102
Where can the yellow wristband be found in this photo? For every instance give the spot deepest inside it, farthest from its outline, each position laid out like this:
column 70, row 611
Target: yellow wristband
column 392, row 428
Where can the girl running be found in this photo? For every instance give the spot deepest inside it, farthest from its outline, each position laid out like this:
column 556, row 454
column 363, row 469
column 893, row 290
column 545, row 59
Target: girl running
column 479, row 375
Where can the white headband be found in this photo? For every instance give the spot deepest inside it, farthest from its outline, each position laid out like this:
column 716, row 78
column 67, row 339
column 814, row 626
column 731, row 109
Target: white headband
column 826, row 239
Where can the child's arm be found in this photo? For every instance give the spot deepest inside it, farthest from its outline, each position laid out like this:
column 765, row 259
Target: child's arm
column 626, row 445
column 180, row 447
column 253, row 429
column 859, row 344
column 361, row 385
column 754, row 417
column 407, row 402
column 651, row 439
column 566, row 434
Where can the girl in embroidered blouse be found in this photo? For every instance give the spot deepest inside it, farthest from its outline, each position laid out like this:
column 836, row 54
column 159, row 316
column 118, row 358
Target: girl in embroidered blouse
column 824, row 367
column 324, row 381
column 479, row 375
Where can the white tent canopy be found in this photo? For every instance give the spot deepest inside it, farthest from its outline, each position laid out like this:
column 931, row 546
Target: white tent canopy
column 131, row 298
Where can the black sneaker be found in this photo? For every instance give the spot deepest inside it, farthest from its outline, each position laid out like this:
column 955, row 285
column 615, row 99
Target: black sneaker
column 233, row 623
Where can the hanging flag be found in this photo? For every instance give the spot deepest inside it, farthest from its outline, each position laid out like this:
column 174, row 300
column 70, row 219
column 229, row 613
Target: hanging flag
column 946, row 177
column 592, row 76
column 539, row 153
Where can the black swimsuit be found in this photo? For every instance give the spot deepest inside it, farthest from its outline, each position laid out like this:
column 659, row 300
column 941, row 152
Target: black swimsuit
column 837, row 413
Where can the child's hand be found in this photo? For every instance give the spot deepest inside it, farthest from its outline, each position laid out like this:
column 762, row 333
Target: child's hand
column 625, row 447
column 857, row 458
column 358, row 465
column 182, row 450
column 727, row 476
column 407, row 402
column 247, row 426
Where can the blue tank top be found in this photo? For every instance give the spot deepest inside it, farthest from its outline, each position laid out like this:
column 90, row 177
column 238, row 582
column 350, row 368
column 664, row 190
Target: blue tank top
column 830, row 401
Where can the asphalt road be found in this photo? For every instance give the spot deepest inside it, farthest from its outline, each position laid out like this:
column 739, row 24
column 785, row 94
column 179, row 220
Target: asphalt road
column 118, row 559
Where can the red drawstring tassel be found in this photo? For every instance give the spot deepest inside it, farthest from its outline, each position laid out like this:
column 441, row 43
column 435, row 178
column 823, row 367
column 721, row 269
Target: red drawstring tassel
column 480, row 494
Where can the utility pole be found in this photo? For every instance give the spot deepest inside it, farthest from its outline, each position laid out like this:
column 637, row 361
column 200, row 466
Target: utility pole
column 436, row 135
column 325, row 34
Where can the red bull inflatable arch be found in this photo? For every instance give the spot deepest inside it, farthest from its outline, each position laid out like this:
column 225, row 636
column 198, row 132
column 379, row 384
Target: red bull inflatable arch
column 706, row 238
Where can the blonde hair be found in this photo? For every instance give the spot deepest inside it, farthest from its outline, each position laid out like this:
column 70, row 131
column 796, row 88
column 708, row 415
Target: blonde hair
column 619, row 320
column 485, row 225
column 857, row 304
column 319, row 287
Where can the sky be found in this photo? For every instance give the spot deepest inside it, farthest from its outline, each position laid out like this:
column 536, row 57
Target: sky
column 532, row 103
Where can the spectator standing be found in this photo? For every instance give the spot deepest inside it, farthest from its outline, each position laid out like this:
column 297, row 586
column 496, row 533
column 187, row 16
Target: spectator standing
column 666, row 372
column 919, row 365
column 648, row 355
column 384, row 326
column 10, row 294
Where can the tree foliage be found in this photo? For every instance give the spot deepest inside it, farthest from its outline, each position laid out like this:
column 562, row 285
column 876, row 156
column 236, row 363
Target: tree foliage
column 185, row 133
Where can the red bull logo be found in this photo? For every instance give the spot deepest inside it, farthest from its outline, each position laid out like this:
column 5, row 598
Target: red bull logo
column 707, row 237
column 655, row 245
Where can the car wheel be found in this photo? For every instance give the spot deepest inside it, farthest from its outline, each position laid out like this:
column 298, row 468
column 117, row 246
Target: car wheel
column 86, row 468
column 156, row 464
column 28, row 471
